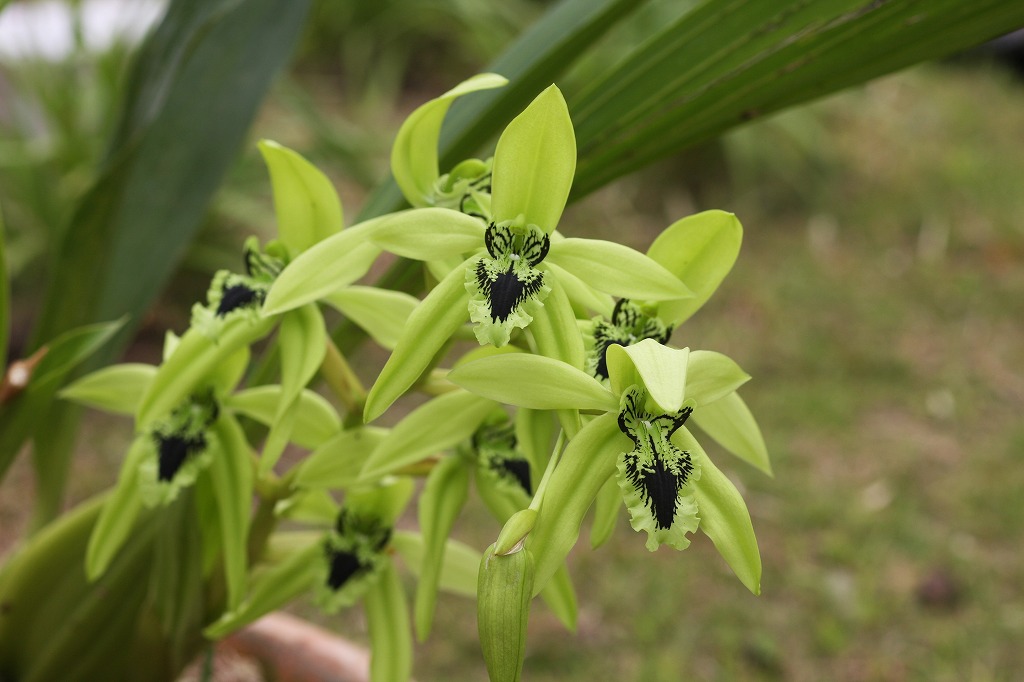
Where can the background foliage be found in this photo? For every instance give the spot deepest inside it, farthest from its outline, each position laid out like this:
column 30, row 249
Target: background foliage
column 885, row 218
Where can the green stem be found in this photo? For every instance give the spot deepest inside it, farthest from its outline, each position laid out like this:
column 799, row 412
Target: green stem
column 556, row 454
column 342, row 379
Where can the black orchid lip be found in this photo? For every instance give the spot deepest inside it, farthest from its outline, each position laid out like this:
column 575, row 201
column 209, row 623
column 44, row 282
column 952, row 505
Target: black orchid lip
column 344, row 562
column 237, row 296
column 496, row 449
column 183, row 436
column 509, row 276
column 343, row 566
column 173, row 450
column 655, row 467
column 517, row 469
column 628, row 325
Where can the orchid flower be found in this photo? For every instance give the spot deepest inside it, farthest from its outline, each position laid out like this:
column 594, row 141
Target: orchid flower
column 667, row 482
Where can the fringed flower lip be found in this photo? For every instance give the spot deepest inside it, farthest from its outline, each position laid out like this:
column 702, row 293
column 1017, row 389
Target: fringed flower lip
column 353, row 556
column 655, row 477
column 498, row 456
column 234, row 295
column 182, row 445
column 510, row 268
column 506, row 287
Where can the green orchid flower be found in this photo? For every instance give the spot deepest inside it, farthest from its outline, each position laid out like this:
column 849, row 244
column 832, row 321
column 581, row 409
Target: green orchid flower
column 181, row 446
column 466, row 188
column 353, row 558
column 349, row 562
column 499, row 460
column 232, row 295
column 509, row 270
column 700, row 250
column 667, row 482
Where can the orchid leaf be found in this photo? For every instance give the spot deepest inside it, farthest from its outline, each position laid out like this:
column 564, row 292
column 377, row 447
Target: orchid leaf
column 533, row 381
column 616, row 269
column 25, row 412
column 381, row 312
column 700, row 250
column 5, row 294
column 116, row 389
column 431, row 325
column 722, row 63
column 69, row 350
column 723, row 515
column 534, row 163
column 730, row 423
column 431, row 428
column 316, row 420
column 307, row 206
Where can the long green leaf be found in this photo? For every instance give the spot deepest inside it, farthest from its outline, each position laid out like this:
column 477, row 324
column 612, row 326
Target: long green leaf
column 387, row 618
column 443, row 496
column 723, row 515
column 437, row 425
column 232, row 482
column 729, row 61
column 193, row 92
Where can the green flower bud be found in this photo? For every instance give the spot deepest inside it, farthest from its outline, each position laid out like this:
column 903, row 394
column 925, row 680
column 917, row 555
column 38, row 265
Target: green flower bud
column 514, row 533
column 504, row 588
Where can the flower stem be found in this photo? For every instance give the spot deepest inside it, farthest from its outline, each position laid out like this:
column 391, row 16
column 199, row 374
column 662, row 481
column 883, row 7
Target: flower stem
column 538, row 495
column 342, row 379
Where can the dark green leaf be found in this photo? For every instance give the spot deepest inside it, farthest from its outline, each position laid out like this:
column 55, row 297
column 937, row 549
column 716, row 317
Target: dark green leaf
column 194, row 90
column 729, row 61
